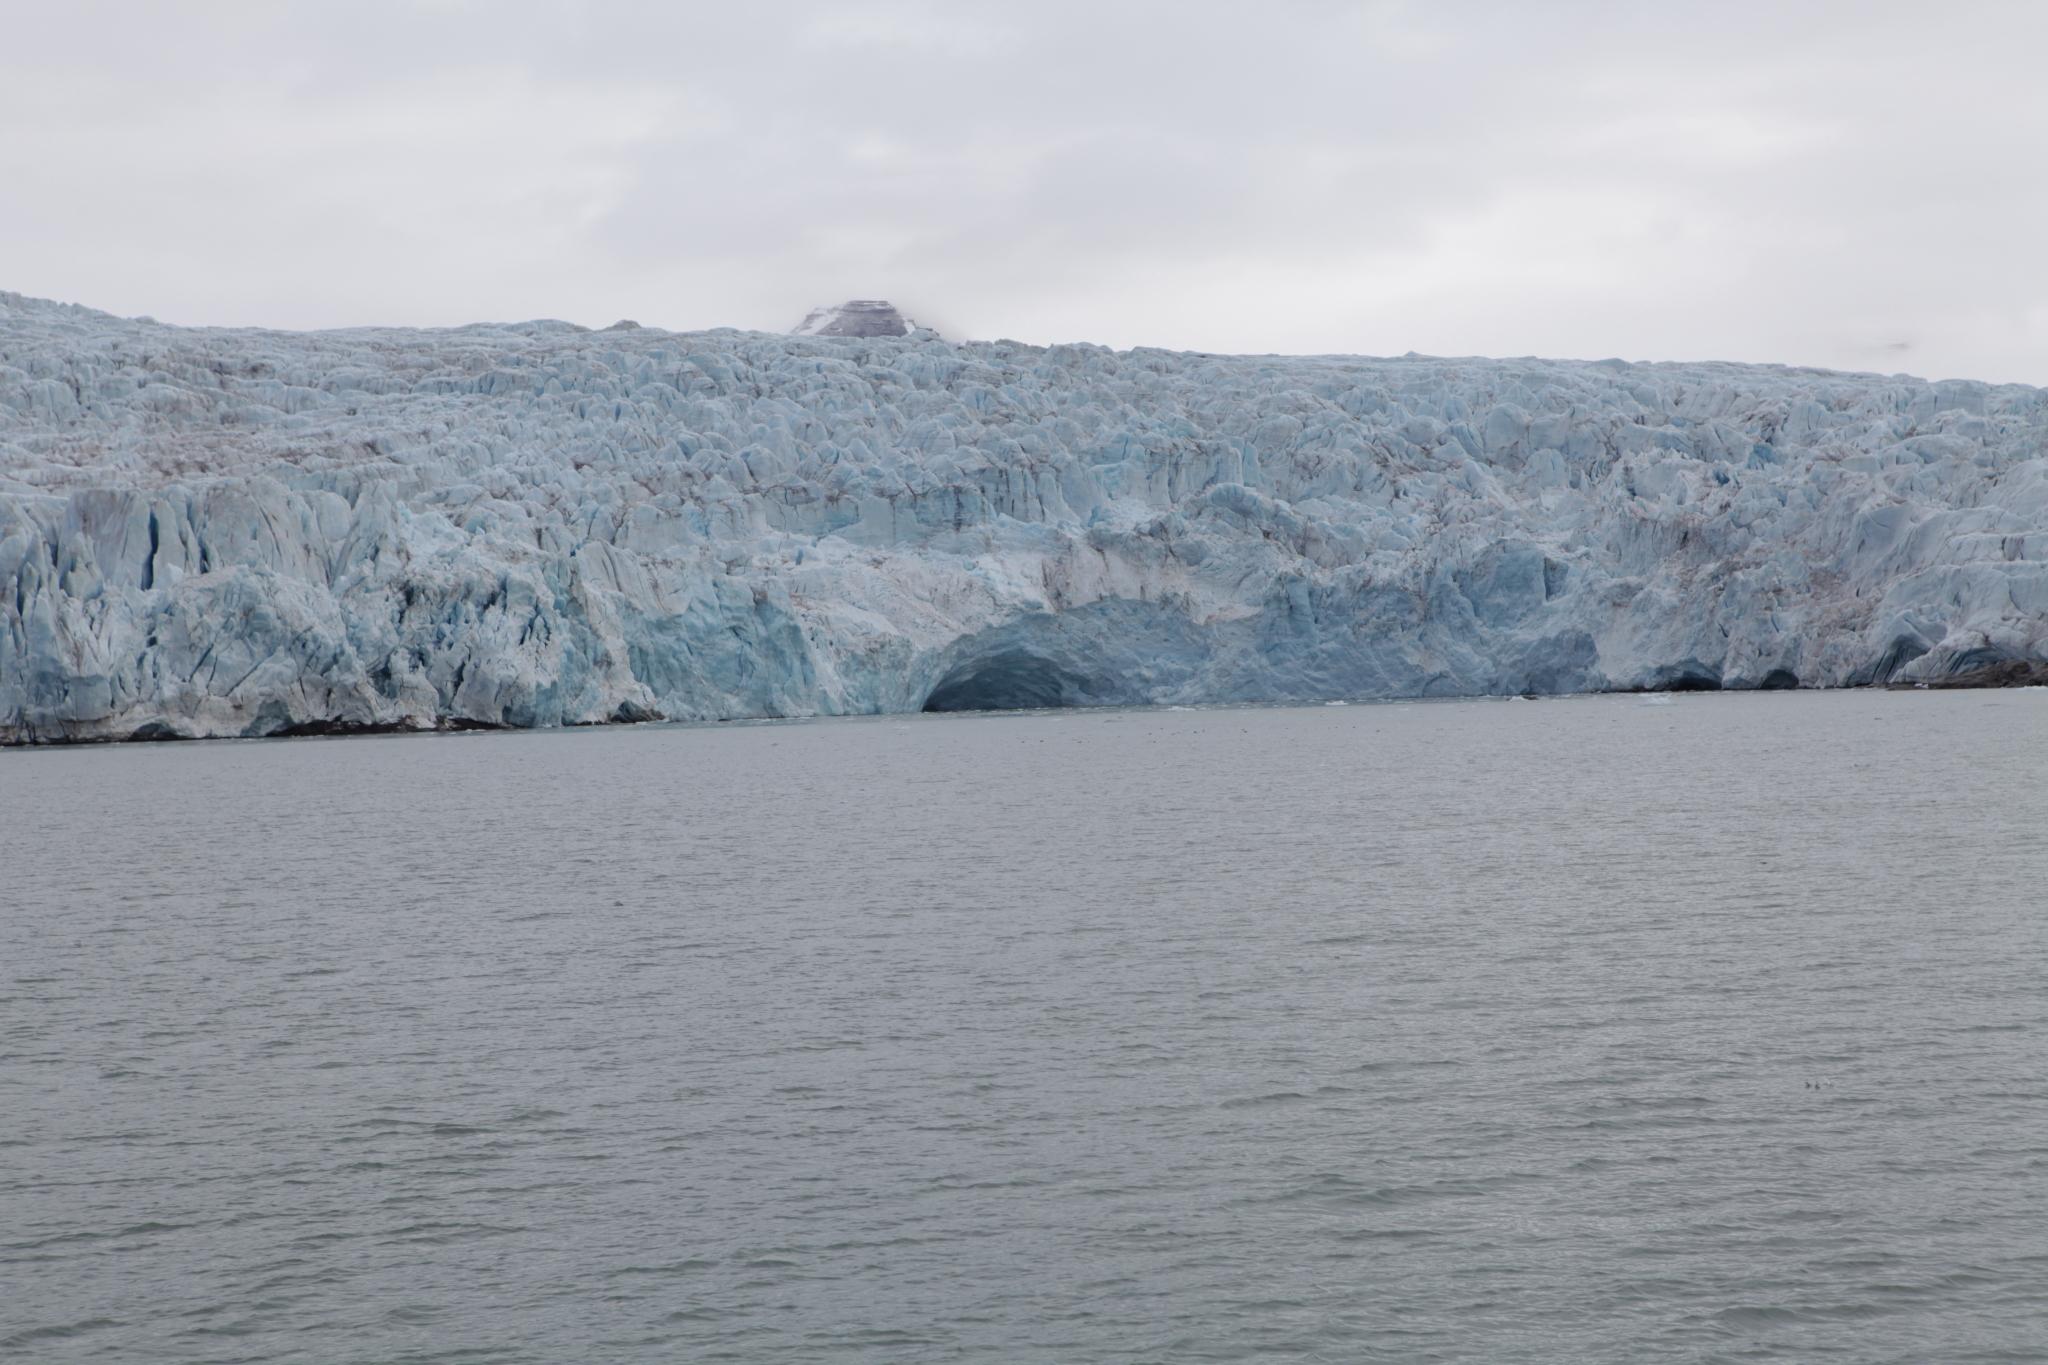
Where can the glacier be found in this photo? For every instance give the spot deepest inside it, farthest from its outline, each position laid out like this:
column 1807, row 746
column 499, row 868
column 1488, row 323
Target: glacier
column 238, row 532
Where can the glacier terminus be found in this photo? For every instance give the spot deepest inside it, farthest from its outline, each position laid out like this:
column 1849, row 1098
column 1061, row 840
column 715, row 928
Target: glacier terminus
column 239, row 532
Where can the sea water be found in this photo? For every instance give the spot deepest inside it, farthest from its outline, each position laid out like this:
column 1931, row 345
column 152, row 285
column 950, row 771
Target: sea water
column 1709, row 1029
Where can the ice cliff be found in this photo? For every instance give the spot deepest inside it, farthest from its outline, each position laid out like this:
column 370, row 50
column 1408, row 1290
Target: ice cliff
column 242, row 532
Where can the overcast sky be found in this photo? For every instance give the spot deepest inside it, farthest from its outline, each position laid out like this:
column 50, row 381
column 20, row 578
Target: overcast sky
column 1859, row 185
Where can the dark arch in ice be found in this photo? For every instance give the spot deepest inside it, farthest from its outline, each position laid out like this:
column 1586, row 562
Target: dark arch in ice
column 1693, row 682
column 1687, row 675
column 1012, row 681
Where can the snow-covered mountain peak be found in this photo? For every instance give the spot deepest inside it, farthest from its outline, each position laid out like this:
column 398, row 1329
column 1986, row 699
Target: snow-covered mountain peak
column 856, row 318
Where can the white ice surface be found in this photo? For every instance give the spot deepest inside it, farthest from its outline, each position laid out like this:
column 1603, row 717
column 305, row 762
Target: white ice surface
column 226, row 532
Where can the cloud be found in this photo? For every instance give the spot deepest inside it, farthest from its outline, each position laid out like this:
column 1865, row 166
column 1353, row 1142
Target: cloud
column 1812, row 184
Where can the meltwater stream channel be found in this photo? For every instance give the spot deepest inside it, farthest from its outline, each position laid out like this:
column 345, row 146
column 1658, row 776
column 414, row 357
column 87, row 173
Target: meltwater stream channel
column 1583, row 1030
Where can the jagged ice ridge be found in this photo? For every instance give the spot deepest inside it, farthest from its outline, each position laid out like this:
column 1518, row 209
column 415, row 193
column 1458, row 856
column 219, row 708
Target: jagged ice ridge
column 210, row 532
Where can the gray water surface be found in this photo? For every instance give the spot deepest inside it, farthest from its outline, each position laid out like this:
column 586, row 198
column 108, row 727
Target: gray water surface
column 1580, row 1030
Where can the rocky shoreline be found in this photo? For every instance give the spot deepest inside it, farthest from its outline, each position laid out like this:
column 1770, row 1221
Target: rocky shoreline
column 2008, row 673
